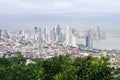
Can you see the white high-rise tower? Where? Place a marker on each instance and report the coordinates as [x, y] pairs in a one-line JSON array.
[[73, 41], [70, 39], [68, 36]]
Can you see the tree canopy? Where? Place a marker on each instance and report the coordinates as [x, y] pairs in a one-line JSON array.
[[57, 68]]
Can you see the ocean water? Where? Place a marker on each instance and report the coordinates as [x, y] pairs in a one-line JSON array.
[[108, 43]]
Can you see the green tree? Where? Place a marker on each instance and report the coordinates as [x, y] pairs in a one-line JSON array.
[[57, 68], [89, 68]]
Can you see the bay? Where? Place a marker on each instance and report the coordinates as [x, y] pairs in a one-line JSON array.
[[108, 43]]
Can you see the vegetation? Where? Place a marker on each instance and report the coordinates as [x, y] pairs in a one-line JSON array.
[[57, 68]]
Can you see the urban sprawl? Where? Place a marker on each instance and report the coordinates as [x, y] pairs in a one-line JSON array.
[[49, 42]]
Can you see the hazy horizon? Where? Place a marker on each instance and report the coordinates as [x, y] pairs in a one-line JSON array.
[[47, 13]]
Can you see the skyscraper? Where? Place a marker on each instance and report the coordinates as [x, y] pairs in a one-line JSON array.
[[6, 34], [20, 32], [52, 35], [68, 36], [35, 33], [73, 41], [58, 33], [70, 39], [89, 40], [0, 34], [98, 32], [39, 35], [35, 30], [58, 29], [46, 34]]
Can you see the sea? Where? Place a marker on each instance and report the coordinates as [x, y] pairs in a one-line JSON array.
[[111, 42]]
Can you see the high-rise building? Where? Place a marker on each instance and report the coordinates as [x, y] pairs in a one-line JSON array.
[[35, 35], [39, 34], [73, 30], [58, 33], [54, 34], [35, 30], [89, 40], [46, 34], [73, 41], [20, 32], [6, 34], [0, 34], [51, 35], [98, 32], [58, 29], [70, 39], [68, 36], [23, 33]]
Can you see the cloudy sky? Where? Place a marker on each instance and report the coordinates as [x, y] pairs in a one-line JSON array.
[[76, 13]]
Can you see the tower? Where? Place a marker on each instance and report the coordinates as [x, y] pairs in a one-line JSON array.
[[35, 33], [58, 33], [89, 40], [98, 32], [52, 34], [39, 35], [0, 34], [6, 34], [68, 36], [35, 30], [46, 34], [73, 41]]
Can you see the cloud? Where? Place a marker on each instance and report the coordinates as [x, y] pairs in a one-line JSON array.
[[59, 6], [14, 6]]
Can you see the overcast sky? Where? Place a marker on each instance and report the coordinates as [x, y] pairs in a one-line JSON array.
[[78, 13], [58, 6]]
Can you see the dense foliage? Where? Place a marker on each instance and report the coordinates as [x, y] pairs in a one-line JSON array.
[[57, 68]]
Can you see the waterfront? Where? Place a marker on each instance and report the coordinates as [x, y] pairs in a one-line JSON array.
[[108, 43]]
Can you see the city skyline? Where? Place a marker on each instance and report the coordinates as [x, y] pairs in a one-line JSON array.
[[59, 39]]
